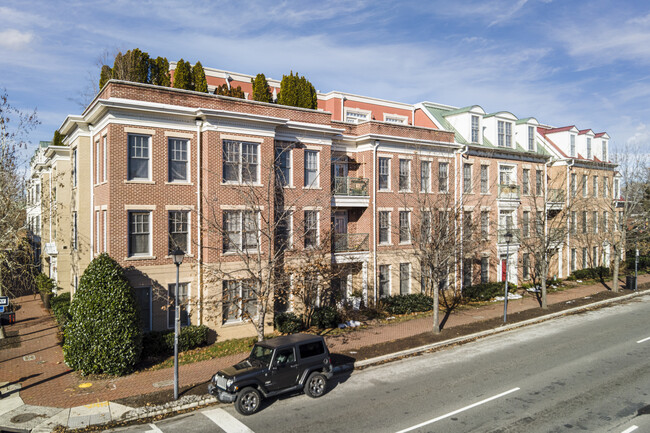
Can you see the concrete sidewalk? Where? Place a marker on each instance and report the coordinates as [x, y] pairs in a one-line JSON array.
[[38, 391]]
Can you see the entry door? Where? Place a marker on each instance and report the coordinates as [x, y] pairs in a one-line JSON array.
[[339, 168], [341, 221]]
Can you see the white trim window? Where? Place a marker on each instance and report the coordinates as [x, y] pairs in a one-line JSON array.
[[525, 181], [311, 228], [425, 176], [404, 227], [384, 227], [105, 158], [573, 185], [594, 186], [531, 138], [585, 256], [574, 222], [383, 173], [139, 164], [485, 186], [105, 229], [474, 129], [356, 116], [588, 147], [98, 161], [240, 162], [404, 278], [139, 233], [239, 300], [504, 138], [183, 303], [97, 246], [384, 280], [484, 270], [605, 221], [179, 232], [605, 187], [605, 155], [594, 221], [539, 182], [585, 185], [143, 301], [572, 151], [284, 231], [485, 224], [283, 166], [75, 231], [404, 175], [395, 118], [312, 169], [573, 259], [507, 175], [467, 178], [75, 168], [443, 177], [240, 230], [178, 156]]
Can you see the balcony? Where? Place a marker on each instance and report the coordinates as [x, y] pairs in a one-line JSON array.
[[350, 192], [350, 242], [555, 199], [501, 236], [509, 192]]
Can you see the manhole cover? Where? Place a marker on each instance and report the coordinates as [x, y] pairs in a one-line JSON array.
[[645, 410], [29, 357], [25, 417]]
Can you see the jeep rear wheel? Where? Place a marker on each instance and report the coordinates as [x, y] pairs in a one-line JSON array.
[[315, 385], [248, 401]]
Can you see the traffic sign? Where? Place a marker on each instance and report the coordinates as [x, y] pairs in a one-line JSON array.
[[4, 300]]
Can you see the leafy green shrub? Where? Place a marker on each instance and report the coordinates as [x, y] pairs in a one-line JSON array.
[[404, 304], [486, 291], [325, 317], [591, 273], [288, 323], [60, 306], [44, 284], [162, 342], [104, 334]]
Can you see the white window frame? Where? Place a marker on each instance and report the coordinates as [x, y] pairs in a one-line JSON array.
[[98, 161], [487, 179], [468, 187], [104, 227], [171, 311], [594, 186], [75, 168], [511, 169], [504, 133], [531, 138], [97, 231], [289, 152], [408, 175], [188, 165], [75, 231], [440, 165], [388, 274], [239, 244], [525, 181], [388, 229], [408, 217], [240, 308], [188, 241], [605, 154], [128, 166], [407, 266], [379, 173], [585, 185], [589, 152], [572, 149], [487, 270], [474, 130], [425, 182], [104, 158], [150, 246], [317, 243], [315, 184], [355, 115], [240, 163], [573, 260], [396, 118]]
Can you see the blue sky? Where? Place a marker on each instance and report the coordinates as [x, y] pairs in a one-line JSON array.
[[563, 62]]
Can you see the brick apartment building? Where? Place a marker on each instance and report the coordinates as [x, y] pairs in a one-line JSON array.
[[147, 168]]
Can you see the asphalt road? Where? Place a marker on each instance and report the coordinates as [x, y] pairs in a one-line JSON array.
[[587, 372]]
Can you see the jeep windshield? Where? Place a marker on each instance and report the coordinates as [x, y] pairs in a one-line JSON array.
[[261, 354]]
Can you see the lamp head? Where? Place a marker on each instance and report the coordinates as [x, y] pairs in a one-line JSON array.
[[178, 256]]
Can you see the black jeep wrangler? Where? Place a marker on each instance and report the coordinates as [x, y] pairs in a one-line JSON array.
[[275, 366]]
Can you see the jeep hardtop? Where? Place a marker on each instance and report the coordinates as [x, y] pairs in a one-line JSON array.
[[275, 366]]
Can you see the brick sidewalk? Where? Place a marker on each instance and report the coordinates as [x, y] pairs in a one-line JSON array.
[[46, 381]]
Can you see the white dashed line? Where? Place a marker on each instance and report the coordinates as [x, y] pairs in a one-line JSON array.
[[447, 415], [226, 422], [631, 429], [644, 340]]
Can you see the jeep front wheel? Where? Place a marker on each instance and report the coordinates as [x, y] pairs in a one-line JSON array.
[[315, 385], [248, 401]]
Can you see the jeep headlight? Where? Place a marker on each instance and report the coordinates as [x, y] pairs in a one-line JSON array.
[[229, 383]]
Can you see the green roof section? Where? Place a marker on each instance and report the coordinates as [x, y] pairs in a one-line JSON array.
[[439, 115]]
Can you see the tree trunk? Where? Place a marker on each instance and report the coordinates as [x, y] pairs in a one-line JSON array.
[[260, 324], [436, 312], [617, 258], [544, 274]]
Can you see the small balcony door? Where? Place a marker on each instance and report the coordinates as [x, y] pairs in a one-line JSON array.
[[340, 222], [339, 168]]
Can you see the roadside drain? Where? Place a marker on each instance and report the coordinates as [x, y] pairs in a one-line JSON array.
[[26, 417]]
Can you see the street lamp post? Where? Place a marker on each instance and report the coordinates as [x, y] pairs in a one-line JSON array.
[[505, 300], [178, 256], [636, 265]]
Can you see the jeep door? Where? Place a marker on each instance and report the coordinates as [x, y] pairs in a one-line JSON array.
[[284, 370]]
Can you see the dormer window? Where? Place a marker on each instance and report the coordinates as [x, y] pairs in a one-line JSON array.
[[395, 118], [605, 156], [531, 138], [588, 147], [356, 116], [474, 129], [504, 138], [573, 146]]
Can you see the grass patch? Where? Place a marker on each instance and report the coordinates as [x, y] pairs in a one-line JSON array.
[[217, 350]]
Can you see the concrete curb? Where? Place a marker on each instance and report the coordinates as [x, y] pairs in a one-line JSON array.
[[471, 337]]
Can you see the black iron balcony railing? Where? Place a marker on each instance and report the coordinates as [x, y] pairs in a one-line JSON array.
[[351, 186], [501, 236], [509, 191], [350, 242]]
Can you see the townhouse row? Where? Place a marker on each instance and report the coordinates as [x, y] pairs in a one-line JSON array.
[[146, 169]]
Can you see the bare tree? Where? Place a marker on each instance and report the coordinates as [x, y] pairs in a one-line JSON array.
[[252, 240]]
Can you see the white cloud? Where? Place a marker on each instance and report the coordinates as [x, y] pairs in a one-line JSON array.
[[13, 39]]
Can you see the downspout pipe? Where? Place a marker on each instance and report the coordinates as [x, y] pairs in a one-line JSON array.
[[199, 233], [568, 199], [374, 218], [93, 165], [459, 181]]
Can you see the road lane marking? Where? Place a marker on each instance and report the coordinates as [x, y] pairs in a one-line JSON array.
[[644, 340], [154, 429], [631, 429], [447, 415], [226, 422]]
